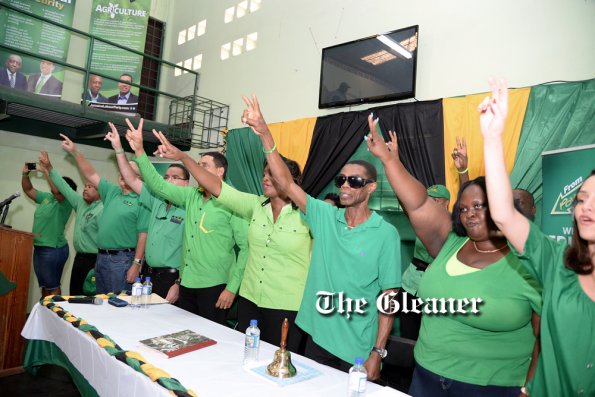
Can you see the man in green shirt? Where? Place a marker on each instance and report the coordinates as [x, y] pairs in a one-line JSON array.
[[122, 228], [88, 208], [50, 246], [210, 274]]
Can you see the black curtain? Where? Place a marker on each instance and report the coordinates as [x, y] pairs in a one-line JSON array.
[[420, 132]]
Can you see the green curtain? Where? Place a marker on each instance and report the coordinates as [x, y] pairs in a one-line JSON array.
[[558, 116], [245, 159]]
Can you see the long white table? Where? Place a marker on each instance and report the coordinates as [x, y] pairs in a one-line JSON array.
[[213, 371]]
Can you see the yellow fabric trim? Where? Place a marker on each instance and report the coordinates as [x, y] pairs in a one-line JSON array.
[[293, 138], [153, 372], [462, 119], [136, 356], [104, 342]]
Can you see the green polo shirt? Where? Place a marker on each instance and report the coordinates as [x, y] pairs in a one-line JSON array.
[[86, 225], [411, 275], [50, 220], [279, 258], [166, 231], [566, 365], [123, 217], [359, 262], [493, 347], [210, 233]]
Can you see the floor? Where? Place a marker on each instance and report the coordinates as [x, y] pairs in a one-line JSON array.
[[50, 381]]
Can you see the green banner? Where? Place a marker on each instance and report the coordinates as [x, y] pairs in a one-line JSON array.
[[124, 23], [25, 33], [563, 172]]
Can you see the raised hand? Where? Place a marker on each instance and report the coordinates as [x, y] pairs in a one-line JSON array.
[[459, 154], [253, 117], [67, 144], [393, 145], [114, 137], [44, 162], [166, 149], [375, 142], [135, 135], [493, 110]]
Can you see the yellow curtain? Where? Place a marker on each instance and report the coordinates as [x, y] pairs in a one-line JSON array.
[[293, 138], [462, 119]]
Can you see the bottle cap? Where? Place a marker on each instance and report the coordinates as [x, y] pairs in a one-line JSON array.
[[359, 361], [253, 323], [148, 278], [137, 280]]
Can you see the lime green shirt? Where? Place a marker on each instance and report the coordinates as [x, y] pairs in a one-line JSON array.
[[566, 365], [210, 233], [412, 276], [50, 220], [492, 348], [279, 256], [360, 262], [166, 231], [86, 225], [123, 217]]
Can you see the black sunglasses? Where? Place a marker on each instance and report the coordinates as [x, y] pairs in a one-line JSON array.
[[354, 181]]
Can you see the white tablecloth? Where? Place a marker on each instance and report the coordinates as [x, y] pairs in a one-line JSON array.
[[213, 371]]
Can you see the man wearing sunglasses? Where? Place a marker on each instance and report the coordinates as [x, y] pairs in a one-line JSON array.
[[355, 253]]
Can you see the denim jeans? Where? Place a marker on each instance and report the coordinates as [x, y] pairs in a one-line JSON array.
[[428, 384], [48, 264], [110, 272]]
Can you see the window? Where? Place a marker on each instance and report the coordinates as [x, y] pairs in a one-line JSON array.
[[254, 5], [251, 41], [242, 9], [182, 37], [191, 32], [229, 13], [238, 46], [201, 28], [178, 72], [225, 50], [197, 62]]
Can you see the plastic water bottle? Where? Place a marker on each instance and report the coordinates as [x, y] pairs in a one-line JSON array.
[[147, 291], [252, 342], [137, 290], [357, 379]]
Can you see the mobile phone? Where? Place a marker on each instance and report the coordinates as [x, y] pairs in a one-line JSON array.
[[117, 302], [31, 166]]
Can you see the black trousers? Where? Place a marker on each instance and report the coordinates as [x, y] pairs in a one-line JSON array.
[[161, 278], [201, 301], [82, 265], [270, 322], [322, 356], [410, 322]]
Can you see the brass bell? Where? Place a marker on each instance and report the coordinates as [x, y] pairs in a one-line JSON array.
[[281, 367]]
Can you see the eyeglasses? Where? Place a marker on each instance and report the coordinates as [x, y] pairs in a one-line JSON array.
[[174, 178], [354, 181]]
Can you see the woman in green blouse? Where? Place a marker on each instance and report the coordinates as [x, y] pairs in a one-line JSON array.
[[279, 246], [566, 365]]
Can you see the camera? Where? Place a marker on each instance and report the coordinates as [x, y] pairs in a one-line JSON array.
[[31, 166]]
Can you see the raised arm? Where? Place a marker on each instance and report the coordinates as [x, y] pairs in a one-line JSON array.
[[46, 167], [253, 117], [204, 178], [493, 111], [26, 184], [459, 155], [130, 177], [430, 221], [86, 168]]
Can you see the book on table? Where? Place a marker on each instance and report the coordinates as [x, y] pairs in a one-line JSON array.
[[178, 343]]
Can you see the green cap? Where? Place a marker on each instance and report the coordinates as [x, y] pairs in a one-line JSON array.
[[439, 191]]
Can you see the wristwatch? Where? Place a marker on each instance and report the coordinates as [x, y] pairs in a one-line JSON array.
[[524, 391], [178, 281], [381, 352]]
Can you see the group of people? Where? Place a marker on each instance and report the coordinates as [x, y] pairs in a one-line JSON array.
[[534, 333], [123, 97], [42, 83]]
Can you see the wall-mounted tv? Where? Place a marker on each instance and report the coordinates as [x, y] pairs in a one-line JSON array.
[[374, 69]]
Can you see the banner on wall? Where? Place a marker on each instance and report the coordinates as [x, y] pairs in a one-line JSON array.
[[125, 23], [22, 32], [563, 172]]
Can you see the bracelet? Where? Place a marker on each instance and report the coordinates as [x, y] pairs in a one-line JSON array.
[[464, 171], [270, 151], [137, 261], [120, 151], [178, 282]]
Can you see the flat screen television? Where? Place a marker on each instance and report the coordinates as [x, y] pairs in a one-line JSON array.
[[373, 69]]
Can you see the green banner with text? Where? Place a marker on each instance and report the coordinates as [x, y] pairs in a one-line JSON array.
[[25, 33], [124, 23], [563, 172]]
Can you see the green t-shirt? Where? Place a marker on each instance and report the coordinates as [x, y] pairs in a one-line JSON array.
[[491, 348], [566, 365], [86, 225], [412, 276], [210, 233], [50, 220], [166, 231], [279, 254], [360, 262], [123, 217]]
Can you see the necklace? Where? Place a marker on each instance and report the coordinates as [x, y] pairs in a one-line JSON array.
[[489, 251]]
